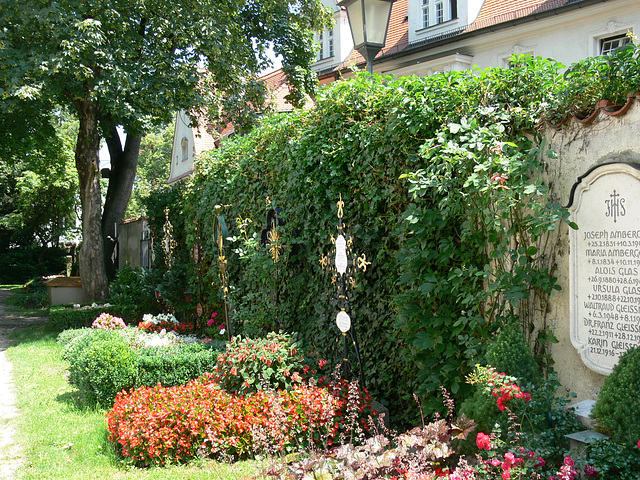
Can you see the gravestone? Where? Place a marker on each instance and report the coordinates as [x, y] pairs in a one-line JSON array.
[[605, 265]]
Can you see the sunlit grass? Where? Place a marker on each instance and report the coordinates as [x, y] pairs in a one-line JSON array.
[[62, 440]]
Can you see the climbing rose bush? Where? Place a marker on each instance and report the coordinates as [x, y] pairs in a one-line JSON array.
[[171, 425], [502, 387]]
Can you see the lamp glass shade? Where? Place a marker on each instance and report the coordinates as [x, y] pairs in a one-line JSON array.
[[369, 20]]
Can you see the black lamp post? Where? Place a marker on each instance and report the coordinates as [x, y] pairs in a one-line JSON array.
[[369, 21]]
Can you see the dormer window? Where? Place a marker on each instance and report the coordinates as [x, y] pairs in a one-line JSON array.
[[325, 40], [435, 12]]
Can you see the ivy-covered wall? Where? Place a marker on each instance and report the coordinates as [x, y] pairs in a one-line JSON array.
[[440, 178]]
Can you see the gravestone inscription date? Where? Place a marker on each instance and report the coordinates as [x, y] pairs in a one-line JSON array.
[[605, 265]]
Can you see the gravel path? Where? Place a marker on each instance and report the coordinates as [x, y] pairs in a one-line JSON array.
[[10, 454]]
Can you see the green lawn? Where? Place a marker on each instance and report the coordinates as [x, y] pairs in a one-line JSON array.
[[61, 440]]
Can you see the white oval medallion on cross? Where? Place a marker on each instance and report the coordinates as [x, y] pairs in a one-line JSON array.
[[343, 320]]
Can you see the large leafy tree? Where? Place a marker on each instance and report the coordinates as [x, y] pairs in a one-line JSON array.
[[134, 63], [37, 185]]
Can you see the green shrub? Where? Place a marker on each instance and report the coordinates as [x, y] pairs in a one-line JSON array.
[[103, 362], [134, 287], [176, 365], [18, 265], [614, 461], [103, 368], [510, 353], [63, 317], [617, 408]]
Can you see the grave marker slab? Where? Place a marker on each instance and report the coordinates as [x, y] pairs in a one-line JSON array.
[[605, 265]]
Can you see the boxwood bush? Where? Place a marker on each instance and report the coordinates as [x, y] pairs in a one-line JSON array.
[[105, 362], [176, 365], [105, 366], [617, 409], [63, 317]]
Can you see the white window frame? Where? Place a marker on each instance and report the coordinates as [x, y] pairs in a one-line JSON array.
[[614, 41], [439, 12], [435, 12], [426, 22], [184, 144], [326, 41]]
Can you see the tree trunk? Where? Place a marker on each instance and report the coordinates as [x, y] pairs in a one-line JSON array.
[[95, 286], [124, 163]]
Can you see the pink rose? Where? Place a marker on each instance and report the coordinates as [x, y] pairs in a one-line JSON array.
[[483, 441]]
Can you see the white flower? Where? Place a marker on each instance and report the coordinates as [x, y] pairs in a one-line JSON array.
[[222, 331]]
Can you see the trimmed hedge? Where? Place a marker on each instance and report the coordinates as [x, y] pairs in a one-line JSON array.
[[178, 365], [64, 317], [102, 363]]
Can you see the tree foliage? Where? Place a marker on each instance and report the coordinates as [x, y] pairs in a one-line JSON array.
[[134, 64], [36, 177]]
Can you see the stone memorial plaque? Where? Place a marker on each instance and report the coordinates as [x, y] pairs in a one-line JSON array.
[[605, 265]]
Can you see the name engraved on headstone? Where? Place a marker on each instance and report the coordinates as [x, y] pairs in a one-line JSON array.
[[605, 265]]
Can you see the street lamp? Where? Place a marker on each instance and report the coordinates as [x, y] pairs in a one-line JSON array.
[[369, 21]]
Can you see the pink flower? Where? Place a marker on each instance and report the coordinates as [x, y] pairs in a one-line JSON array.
[[483, 441], [509, 457], [541, 462], [501, 404], [495, 462], [506, 466], [569, 461], [527, 397], [506, 475], [638, 443]]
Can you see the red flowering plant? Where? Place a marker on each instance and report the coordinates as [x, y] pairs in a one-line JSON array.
[[497, 460], [278, 362], [172, 425], [215, 327]]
